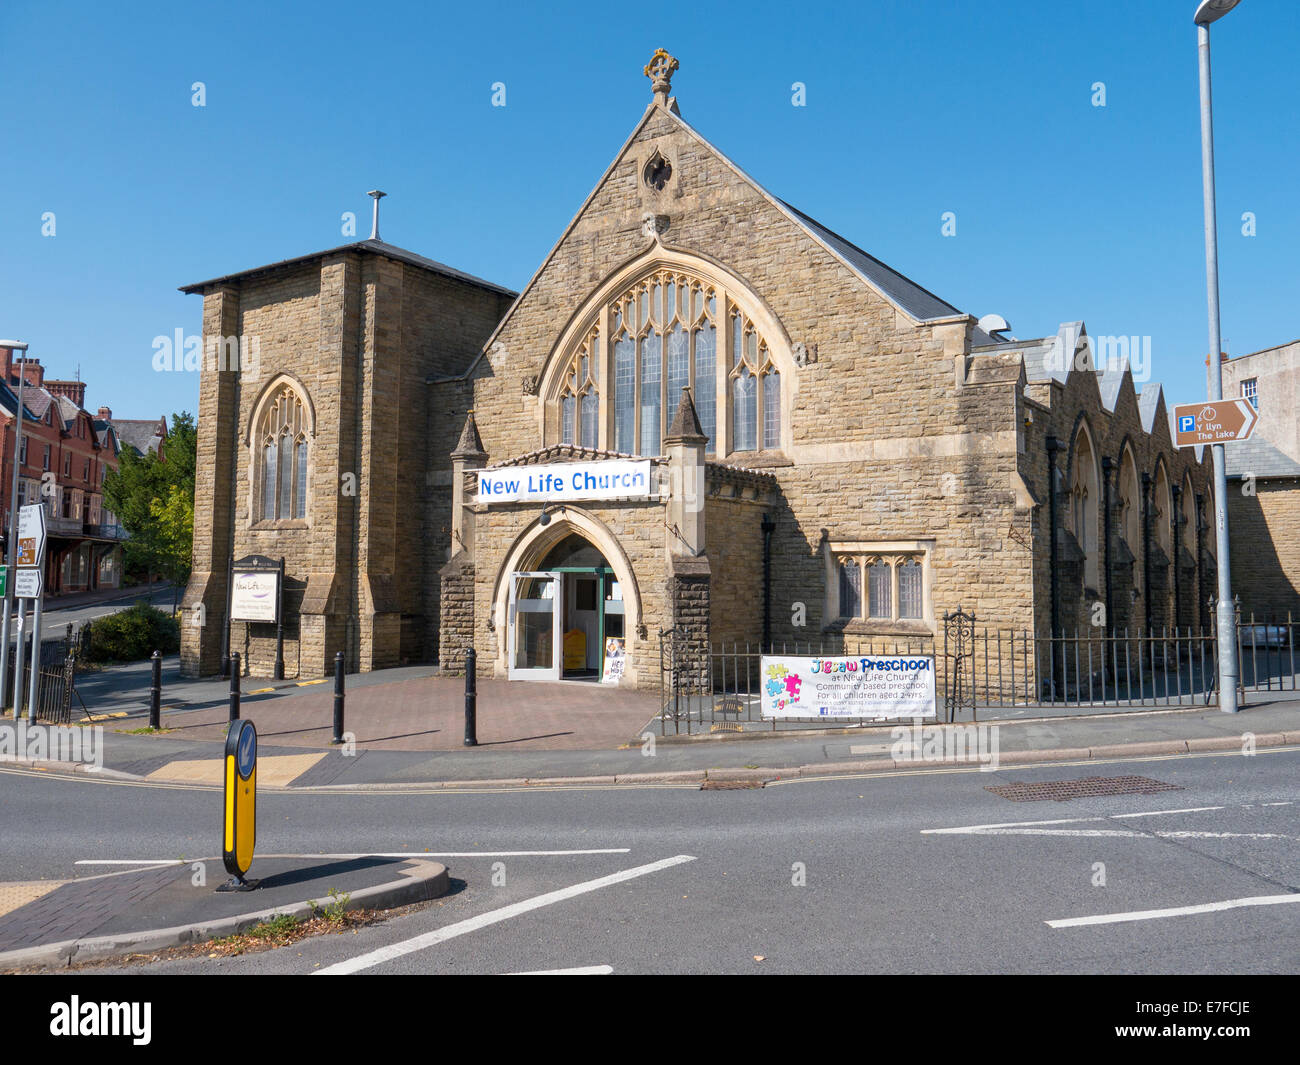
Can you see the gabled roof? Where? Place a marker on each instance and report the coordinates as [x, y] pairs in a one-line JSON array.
[[903, 293], [9, 400], [376, 247], [918, 302], [143, 436], [1148, 400], [68, 410]]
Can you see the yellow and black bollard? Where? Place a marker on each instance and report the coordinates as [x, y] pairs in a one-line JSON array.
[[241, 805]]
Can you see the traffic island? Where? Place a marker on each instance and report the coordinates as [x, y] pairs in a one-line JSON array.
[[146, 910]]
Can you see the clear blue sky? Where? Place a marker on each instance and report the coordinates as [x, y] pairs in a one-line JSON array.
[[1064, 210]]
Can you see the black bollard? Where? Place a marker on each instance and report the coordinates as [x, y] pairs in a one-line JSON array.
[[155, 692], [234, 686], [338, 699], [471, 699]]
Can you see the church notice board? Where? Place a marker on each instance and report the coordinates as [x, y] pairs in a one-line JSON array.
[[255, 590], [864, 687]]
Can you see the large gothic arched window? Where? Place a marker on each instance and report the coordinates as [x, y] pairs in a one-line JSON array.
[[670, 330], [280, 453]]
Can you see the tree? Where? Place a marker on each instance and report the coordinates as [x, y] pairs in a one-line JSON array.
[[154, 500]]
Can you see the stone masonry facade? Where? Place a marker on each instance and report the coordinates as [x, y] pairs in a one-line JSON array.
[[905, 432]]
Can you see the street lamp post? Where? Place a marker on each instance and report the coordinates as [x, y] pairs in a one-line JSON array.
[[12, 345], [1209, 11]]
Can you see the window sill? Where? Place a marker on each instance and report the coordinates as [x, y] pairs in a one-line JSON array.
[[879, 627], [280, 523], [754, 460]]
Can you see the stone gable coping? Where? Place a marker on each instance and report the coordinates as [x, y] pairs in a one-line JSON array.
[[570, 453]]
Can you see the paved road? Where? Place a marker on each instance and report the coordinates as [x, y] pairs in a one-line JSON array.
[[920, 872], [54, 620]]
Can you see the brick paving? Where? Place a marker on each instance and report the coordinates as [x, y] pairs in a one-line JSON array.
[[428, 714]]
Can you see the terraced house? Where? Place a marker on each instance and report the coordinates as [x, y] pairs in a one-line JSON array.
[[65, 455], [706, 412]]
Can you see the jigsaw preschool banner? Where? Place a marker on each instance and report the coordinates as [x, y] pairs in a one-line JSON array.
[[875, 687]]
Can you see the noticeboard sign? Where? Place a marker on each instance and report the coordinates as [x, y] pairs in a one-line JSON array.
[[31, 534], [255, 595], [30, 583], [864, 687]]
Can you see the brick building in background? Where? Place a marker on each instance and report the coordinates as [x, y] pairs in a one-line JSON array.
[[65, 456], [1264, 483]]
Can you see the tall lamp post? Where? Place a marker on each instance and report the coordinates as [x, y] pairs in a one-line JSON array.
[[1208, 11], [10, 559]]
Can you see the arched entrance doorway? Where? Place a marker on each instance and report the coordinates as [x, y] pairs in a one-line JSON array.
[[566, 615]]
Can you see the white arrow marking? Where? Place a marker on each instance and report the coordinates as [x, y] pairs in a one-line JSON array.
[[583, 970]]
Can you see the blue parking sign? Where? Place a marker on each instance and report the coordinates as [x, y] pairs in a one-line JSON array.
[[1187, 423]]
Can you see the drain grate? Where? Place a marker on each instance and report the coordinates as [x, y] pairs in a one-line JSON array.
[[731, 785], [1065, 790]]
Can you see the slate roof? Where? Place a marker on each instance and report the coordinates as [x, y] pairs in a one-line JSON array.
[[1148, 399], [1259, 457], [143, 436], [915, 300], [377, 247]]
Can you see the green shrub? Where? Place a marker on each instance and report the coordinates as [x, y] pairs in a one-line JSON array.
[[133, 634]]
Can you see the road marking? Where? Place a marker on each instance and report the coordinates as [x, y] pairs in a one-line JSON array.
[[476, 854], [997, 828], [483, 920], [582, 970], [1177, 911], [1161, 813], [129, 861], [971, 829]]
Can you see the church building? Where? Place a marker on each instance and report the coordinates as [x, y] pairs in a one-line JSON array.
[[705, 413]]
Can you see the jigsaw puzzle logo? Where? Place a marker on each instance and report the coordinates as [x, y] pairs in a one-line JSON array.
[[782, 686]]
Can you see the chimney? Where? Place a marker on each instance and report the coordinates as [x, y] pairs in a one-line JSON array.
[[105, 414], [73, 390], [7, 355], [33, 372]]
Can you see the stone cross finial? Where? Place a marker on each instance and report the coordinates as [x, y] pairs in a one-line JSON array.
[[660, 72]]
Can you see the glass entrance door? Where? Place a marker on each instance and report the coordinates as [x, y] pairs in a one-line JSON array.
[[535, 618]]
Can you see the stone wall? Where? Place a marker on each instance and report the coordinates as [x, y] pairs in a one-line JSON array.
[[1265, 533], [358, 335]]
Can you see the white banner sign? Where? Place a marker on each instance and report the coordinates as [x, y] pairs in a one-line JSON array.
[[614, 479], [875, 687], [253, 597], [30, 583]]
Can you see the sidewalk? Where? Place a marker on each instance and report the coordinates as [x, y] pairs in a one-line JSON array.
[[407, 729], [59, 923]]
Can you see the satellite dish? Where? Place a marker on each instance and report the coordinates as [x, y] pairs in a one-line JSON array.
[[994, 324]]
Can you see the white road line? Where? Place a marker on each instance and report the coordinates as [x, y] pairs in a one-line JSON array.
[[1177, 911], [1161, 813], [582, 970], [1053, 832], [967, 829], [483, 920], [129, 861], [476, 854]]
